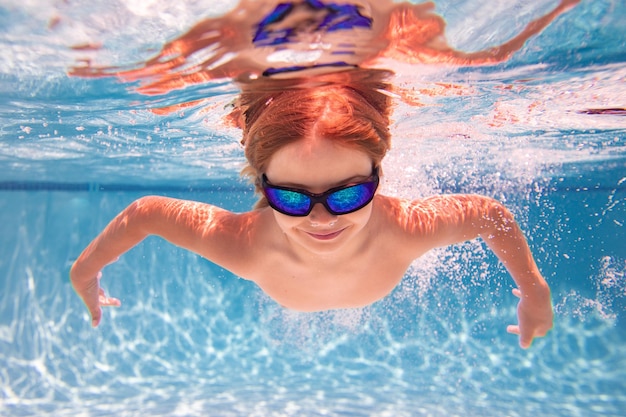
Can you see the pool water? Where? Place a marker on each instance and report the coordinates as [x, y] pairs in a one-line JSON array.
[[192, 340]]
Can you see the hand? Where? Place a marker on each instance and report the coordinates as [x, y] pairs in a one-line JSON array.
[[535, 319], [94, 298], [104, 301]]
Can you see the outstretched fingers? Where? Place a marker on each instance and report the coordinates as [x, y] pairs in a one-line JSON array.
[[524, 340], [532, 322], [106, 301], [103, 301]]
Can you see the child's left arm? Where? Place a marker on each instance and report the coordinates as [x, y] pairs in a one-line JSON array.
[[445, 220], [534, 311]]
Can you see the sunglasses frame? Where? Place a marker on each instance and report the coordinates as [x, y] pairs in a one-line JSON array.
[[321, 198]]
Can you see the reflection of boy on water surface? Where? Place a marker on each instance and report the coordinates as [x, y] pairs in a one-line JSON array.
[[321, 237]]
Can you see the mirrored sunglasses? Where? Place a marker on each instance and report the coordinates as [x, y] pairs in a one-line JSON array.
[[339, 200]]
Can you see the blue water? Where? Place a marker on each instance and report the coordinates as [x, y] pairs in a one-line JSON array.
[[192, 340]]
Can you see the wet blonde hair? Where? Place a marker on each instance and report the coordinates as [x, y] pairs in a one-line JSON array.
[[350, 107]]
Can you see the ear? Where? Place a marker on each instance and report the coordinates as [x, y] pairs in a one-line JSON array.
[[380, 178]]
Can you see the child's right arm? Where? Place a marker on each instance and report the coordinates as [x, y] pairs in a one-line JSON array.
[[202, 228]]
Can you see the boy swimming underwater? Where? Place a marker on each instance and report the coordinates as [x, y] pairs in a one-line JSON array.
[[321, 237], [315, 135]]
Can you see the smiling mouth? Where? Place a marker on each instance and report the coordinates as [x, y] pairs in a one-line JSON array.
[[325, 236]]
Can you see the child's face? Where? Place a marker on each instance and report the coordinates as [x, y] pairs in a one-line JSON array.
[[317, 165]]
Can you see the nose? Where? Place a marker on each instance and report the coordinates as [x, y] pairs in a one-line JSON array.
[[319, 216]]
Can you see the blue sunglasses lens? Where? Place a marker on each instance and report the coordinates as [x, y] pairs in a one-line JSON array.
[[342, 201], [351, 198], [288, 202]]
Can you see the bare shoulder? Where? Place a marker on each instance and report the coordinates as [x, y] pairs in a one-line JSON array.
[[237, 241], [227, 239], [420, 214], [439, 220]]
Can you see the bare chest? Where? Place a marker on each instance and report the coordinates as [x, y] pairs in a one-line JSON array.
[[328, 285]]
